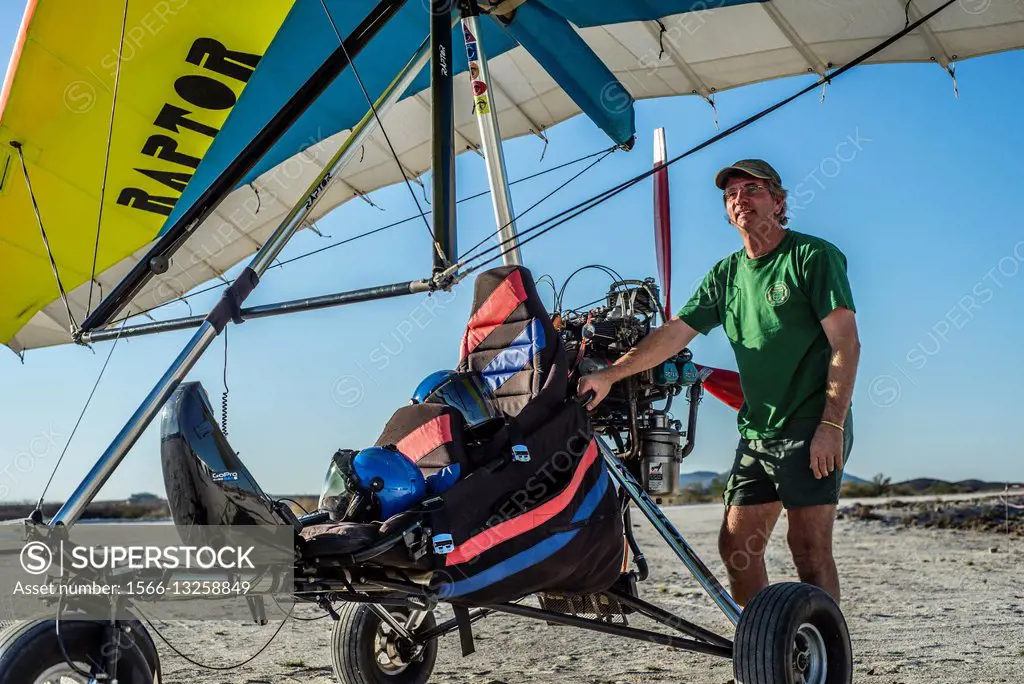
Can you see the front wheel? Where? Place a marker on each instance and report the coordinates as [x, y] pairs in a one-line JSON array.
[[792, 633], [30, 652], [366, 650]]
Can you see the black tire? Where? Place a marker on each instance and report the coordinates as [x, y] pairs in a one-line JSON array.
[[29, 650], [784, 620], [354, 650]]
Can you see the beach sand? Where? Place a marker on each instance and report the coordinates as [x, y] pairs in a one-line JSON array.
[[922, 605]]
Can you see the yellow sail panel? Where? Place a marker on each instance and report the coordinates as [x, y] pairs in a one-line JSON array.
[[183, 65]]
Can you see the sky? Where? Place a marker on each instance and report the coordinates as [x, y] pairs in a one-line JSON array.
[[920, 190]]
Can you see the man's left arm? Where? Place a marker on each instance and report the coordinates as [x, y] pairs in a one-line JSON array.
[[828, 288], [840, 328]]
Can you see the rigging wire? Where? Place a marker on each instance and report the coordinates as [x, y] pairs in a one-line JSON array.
[[368, 233], [384, 132], [46, 241], [542, 199], [39, 505], [594, 201], [464, 199], [106, 158]]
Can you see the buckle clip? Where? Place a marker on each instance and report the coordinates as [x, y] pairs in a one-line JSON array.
[[520, 453], [443, 544]]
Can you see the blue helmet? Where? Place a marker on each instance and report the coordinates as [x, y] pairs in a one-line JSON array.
[[464, 391], [373, 484]]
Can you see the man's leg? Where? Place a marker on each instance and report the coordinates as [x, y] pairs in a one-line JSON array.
[[742, 541], [752, 507], [811, 504], [810, 541]]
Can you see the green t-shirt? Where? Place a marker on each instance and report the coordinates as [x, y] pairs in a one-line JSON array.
[[771, 309]]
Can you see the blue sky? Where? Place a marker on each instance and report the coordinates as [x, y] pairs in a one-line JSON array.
[[919, 189]]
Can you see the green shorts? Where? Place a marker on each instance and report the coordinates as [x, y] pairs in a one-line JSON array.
[[779, 469]]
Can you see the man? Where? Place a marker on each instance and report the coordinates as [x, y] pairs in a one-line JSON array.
[[785, 304]]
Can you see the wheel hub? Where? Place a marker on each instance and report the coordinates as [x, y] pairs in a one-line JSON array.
[[62, 673], [392, 652], [810, 659]]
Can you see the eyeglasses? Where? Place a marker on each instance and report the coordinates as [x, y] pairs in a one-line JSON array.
[[747, 188]]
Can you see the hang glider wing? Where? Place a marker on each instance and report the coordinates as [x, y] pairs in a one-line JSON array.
[[183, 67], [549, 60]]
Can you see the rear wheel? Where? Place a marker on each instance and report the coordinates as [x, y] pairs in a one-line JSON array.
[[366, 650], [30, 652], [792, 633]]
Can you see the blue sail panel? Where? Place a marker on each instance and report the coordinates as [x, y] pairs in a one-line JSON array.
[[585, 13], [568, 59], [305, 40]]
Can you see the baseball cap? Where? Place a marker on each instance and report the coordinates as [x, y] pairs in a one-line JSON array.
[[758, 168]]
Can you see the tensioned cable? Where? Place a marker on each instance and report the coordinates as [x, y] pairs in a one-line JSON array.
[[380, 125], [46, 241], [106, 159], [594, 201], [39, 506], [538, 202], [369, 233], [464, 199]]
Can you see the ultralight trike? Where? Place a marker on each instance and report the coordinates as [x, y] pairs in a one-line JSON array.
[[540, 509]]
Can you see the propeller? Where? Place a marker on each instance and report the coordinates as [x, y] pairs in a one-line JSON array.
[[662, 218], [720, 383]]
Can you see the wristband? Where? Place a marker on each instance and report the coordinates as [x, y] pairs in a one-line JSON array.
[[835, 425]]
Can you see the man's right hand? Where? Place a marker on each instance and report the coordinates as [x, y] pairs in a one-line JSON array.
[[600, 383], [660, 344]]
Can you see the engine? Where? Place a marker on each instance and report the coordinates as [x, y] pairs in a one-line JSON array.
[[648, 439]]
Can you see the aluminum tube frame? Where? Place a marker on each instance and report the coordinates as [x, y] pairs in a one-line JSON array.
[[669, 533], [367, 125], [268, 310], [86, 491], [614, 629], [450, 625], [442, 135], [666, 618], [490, 136]]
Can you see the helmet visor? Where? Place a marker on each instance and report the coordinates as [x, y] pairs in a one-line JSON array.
[[335, 494], [467, 393]]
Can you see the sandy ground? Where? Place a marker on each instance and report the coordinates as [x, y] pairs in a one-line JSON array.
[[922, 606]]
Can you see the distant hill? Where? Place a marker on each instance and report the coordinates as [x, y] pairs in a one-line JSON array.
[[703, 479], [700, 478], [927, 485]]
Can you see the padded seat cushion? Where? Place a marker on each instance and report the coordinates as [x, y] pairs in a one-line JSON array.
[[329, 539]]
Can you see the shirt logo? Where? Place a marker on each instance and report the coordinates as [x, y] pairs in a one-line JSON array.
[[777, 294]]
